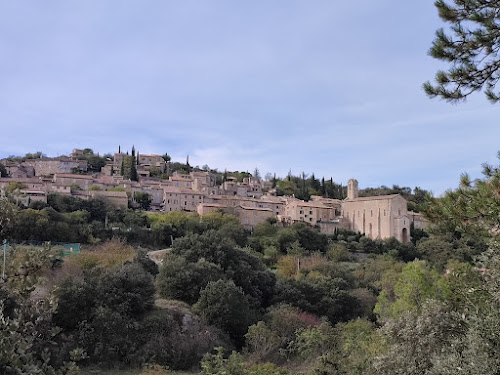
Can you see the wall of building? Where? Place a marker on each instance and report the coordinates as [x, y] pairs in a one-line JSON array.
[[174, 200], [376, 216]]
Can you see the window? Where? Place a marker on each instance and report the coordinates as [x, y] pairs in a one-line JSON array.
[[399, 212], [301, 212], [310, 212], [371, 213]]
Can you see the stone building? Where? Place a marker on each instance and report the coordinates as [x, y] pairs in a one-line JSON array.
[[48, 167], [149, 161], [82, 181], [381, 216], [249, 217], [310, 212], [179, 199]]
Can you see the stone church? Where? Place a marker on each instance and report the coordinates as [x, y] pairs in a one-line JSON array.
[[381, 216]]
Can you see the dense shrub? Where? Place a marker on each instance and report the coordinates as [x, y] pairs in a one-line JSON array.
[[226, 306]]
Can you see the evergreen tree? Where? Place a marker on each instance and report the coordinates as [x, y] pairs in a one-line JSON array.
[[471, 49], [472, 209], [133, 169]]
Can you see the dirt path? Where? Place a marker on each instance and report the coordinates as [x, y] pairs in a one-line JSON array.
[[157, 255]]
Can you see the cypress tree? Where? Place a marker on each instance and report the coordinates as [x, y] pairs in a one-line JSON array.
[[133, 168]]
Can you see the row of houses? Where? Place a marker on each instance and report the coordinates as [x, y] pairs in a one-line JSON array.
[[377, 217]]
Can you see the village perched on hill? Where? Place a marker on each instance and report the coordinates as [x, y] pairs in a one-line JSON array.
[[125, 180]]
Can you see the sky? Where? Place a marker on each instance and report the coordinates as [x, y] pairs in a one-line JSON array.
[[325, 87]]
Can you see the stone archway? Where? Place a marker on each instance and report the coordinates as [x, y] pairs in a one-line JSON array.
[[404, 237]]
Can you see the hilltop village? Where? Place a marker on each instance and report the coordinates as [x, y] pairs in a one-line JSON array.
[[252, 200]]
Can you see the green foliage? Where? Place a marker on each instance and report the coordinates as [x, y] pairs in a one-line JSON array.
[[246, 270], [471, 210], [28, 336], [226, 306], [26, 265], [182, 280], [129, 167], [302, 187], [417, 283], [216, 364], [127, 291], [94, 161], [417, 339], [8, 212], [266, 369], [358, 345], [379, 273], [175, 340], [271, 339], [143, 200], [312, 342], [338, 252], [323, 296], [3, 171], [471, 49], [26, 343]]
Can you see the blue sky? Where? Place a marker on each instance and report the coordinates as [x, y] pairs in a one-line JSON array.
[[318, 86]]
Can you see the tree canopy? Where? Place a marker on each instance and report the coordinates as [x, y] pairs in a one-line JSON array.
[[471, 46]]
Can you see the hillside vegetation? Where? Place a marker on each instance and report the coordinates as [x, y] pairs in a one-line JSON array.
[[276, 300]]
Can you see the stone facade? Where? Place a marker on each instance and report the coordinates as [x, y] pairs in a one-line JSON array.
[[176, 199], [309, 212], [251, 216], [382, 216], [49, 167]]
